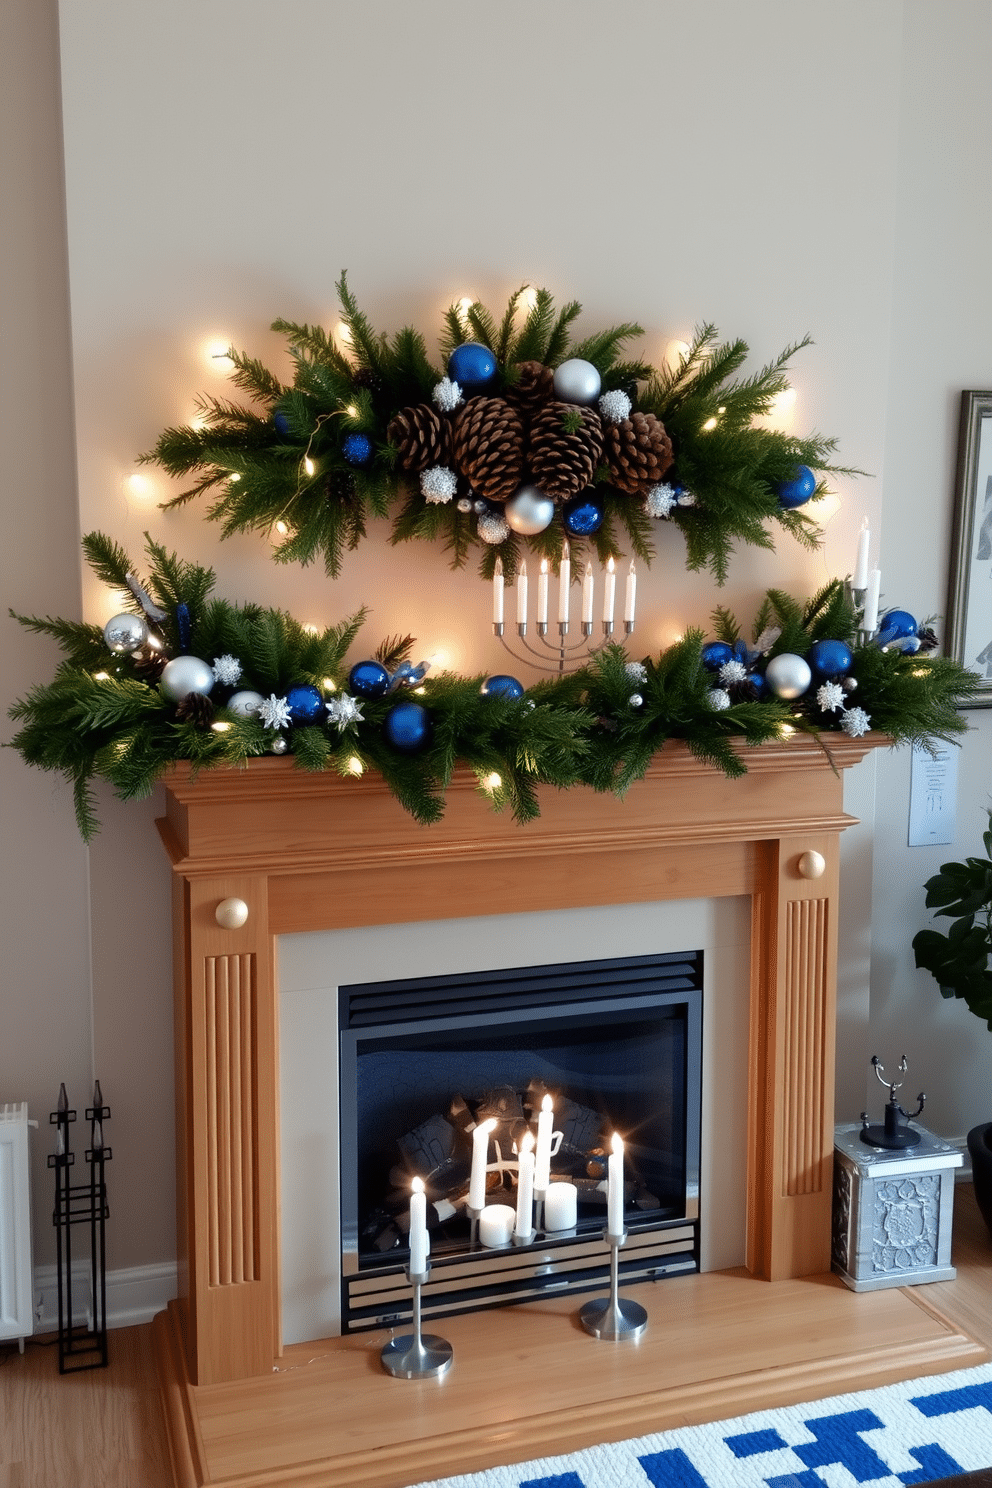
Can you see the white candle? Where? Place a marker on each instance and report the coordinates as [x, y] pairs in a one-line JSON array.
[[614, 1211], [870, 618], [480, 1158], [542, 1161], [609, 594], [496, 1225], [522, 594], [631, 592], [525, 1187], [561, 1207], [588, 597], [564, 584], [859, 579], [498, 592], [419, 1239], [542, 593]]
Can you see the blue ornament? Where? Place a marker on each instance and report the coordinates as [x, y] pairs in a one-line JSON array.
[[281, 423], [896, 625], [472, 366], [829, 658], [798, 490], [715, 653], [357, 449], [582, 515], [502, 686], [305, 703], [407, 727], [369, 679]]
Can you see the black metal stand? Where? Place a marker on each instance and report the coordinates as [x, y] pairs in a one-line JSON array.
[[894, 1134], [82, 1347]]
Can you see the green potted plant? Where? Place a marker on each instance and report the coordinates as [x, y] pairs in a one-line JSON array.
[[961, 964]]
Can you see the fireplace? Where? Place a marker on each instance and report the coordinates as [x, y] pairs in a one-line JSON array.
[[615, 1044]]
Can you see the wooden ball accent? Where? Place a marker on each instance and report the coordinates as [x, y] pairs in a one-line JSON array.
[[231, 914], [812, 865]]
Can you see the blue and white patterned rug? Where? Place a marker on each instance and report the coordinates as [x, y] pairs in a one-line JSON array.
[[913, 1432]]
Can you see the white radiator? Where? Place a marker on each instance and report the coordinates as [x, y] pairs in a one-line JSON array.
[[16, 1317]]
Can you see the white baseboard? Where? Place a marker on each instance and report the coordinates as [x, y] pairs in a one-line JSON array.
[[134, 1294]]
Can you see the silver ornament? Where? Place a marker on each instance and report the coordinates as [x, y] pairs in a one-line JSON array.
[[464, 505], [125, 633], [636, 701], [577, 381], [246, 704], [788, 676], [529, 511], [849, 684], [492, 529], [278, 745], [186, 674]]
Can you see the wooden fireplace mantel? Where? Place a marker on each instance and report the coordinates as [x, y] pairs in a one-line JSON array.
[[314, 852]]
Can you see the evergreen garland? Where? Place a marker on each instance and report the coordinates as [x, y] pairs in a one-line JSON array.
[[101, 718], [285, 456]]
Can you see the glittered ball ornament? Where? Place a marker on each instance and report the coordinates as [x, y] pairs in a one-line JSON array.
[[829, 658], [788, 676], [281, 422], [278, 745], [798, 490], [577, 381], [502, 686], [407, 727], [368, 679], [357, 449], [305, 703], [245, 703], [895, 626], [472, 366], [186, 674], [582, 516], [529, 511], [716, 654], [125, 633]]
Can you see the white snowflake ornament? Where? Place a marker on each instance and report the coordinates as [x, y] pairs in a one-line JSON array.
[[830, 697], [344, 710], [636, 671], [855, 722], [731, 672], [615, 406], [274, 712], [686, 498], [493, 529], [447, 395], [660, 500], [227, 669], [718, 699], [438, 484]]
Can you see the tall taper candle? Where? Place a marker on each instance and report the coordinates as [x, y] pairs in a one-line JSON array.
[[522, 594], [419, 1239], [859, 579], [564, 584], [542, 1160], [525, 1187], [609, 593], [498, 592], [614, 1209], [588, 595], [542, 593], [480, 1158], [629, 597], [870, 618]]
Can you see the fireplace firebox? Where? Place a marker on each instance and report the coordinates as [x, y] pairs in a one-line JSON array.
[[616, 1043]]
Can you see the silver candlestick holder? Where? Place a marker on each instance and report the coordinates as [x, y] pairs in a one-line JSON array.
[[556, 650], [614, 1318], [416, 1355]]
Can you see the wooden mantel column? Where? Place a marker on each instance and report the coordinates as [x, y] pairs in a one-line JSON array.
[[314, 852]]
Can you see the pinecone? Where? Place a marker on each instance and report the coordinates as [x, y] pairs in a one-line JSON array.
[[487, 446], [638, 452], [366, 378], [566, 442], [421, 436], [339, 487], [150, 668], [196, 709], [533, 387]]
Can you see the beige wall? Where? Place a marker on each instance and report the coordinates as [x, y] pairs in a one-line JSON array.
[[752, 165]]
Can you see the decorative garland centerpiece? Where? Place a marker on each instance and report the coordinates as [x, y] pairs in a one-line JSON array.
[[182, 675], [524, 440]]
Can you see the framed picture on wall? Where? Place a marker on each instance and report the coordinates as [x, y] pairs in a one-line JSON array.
[[969, 601]]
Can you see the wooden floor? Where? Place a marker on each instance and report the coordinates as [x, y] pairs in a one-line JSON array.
[[104, 1428]]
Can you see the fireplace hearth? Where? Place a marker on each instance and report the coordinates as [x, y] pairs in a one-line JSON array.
[[616, 1044]]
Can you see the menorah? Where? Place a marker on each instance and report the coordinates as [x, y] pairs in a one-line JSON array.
[[555, 648]]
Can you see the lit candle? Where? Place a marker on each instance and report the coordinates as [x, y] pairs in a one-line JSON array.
[[498, 592], [542, 593], [480, 1159], [614, 1211], [609, 594], [564, 584], [859, 579], [870, 618], [588, 596], [522, 594], [542, 1161], [496, 1225], [628, 603], [419, 1240], [525, 1187], [561, 1207]]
